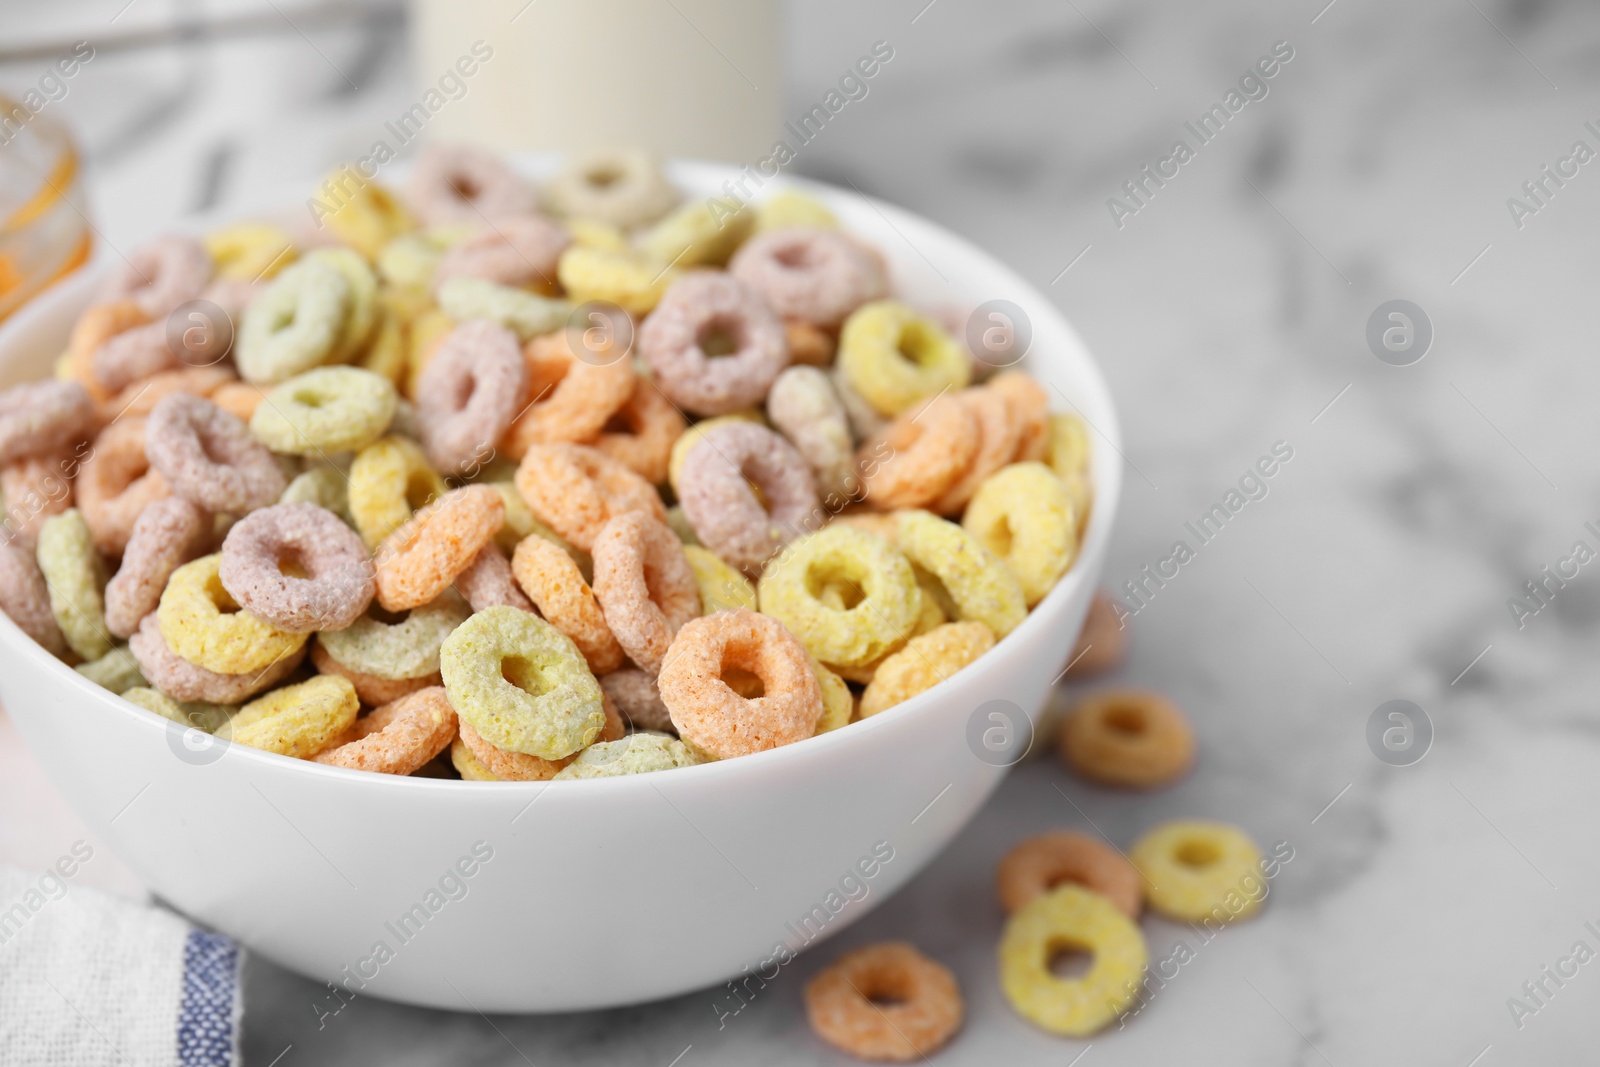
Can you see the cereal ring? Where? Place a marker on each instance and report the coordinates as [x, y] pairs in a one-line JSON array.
[[297, 323], [980, 587], [723, 509], [397, 738], [1023, 515], [469, 393], [97, 325], [522, 684], [930, 616], [626, 189], [366, 215], [787, 209], [635, 754], [838, 703], [920, 456], [1128, 737], [117, 670], [467, 765], [517, 250], [419, 561], [644, 585], [865, 422], [927, 660], [523, 313], [365, 307], [196, 714], [25, 598], [998, 437], [324, 485], [810, 275], [556, 586], [721, 586], [389, 480], [509, 766], [1102, 645], [201, 622], [564, 398], [134, 354], [1030, 410], [182, 680], [209, 457], [1071, 917], [330, 579], [803, 406], [408, 261], [1039, 864], [141, 398], [1067, 453], [634, 692], [1199, 871], [116, 483], [576, 489], [43, 418], [715, 719], [35, 488], [700, 234], [298, 720], [809, 345], [631, 280], [870, 567], [167, 534], [713, 344], [76, 577], [402, 650], [695, 433], [456, 183], [161, 275], [646, 428], [249, 251], [520, 522], [885, 1002], [894, 357], [488, 581], [591, 233], [373, 691], [325, 410]]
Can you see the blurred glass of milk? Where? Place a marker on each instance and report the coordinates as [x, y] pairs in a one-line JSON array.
[[699, 79]]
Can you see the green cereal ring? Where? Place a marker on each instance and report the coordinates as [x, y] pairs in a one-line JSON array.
[[892, 357], [407, 261], [363, 312], [324, 485], [1023, 514], [980, 587], [203, 624], [117, 670], [518, 310], [700, 233], [396, 651], [522, 684], [198, 714], [295, 324], [838, 703], [326, 410], [297, 720], [637, 753], [863, 563], [389, 481], [76, 578]]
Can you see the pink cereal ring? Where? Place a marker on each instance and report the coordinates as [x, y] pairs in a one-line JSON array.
[[574, 490], [644, 584], [488, 581], [457, 183], [182, 680], [115, 484], [815, 276], [419, 560], [714, 489], [162, 275], [516, 250], [470, 391], [25, 598], [167, 534], [713, 343], [634, 693], [397, 738], [338, 576], [43, 417], [372, 690], [210, 457], [134, 354], [35, 488]]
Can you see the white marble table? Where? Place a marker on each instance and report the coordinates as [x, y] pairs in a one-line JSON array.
[[1230, 313]]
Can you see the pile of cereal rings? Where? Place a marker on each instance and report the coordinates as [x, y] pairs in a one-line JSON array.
[[482, 480]]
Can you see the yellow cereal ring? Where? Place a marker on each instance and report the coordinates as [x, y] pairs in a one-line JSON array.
[[250, 251], [390, 480], [1067, 453], [522, 684], [592, 233], [722, 586], [201, 623], [521, 521], [325, 410], [467, 765], [386, 356], [200, 715], [360, 212], [362, 313], [428, 329], [1023, 515], [700, 233], [408, 260], [523, 313], [892, 357], [979, 586], [1071, 917], [927, 660], [76, 579], [631, 280], [1196, 870], [788, 209], [884, 598], [838, 703], [297, 720]]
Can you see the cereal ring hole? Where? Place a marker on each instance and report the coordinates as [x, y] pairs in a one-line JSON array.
[[526, 675], [920, 343], [1197, 852], [602, 177], [747, 684], [722, 335], [420, 489], [1127, 719], [797, 255], [1068, 959]]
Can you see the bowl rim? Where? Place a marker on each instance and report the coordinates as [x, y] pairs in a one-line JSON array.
[[692, 177]]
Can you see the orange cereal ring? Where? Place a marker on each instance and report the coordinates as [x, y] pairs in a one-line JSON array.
[[1128, 737], [644, 584], [808, 344], [555, 585], [373, 691], [94, 328], [999, 435], [115, 483], [419, 560], [715, 719], [885, 1002], [919, 456], [642, 432], [34, 488], [523, 767], [574, 490], [239, 399], [1041, 863], [1030, 407], [570, 396], [1102, 643], [140, 398], [397, 738]]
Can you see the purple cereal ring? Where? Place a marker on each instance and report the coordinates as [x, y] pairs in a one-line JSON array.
[[338, 582], [42, 417], [714, 489], [208, 456], [134, 354], [816, 276], [517, 250], [182, 680], [635, 694], [25, 597], [115, 483], [162, 275], [34, 489], [469, 393], [456, 183], [710, 310], [488, 582], [168, 533]]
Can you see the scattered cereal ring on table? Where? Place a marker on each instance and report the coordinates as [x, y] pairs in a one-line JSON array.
[[920, 455], [715, 719], [182, 680], [803, 406], [75, 577], [456, 183], [389, 481], [522, 684], [201, 622], [927, 660], [523, 313], [323, 411], [979, 585], [712, 344], [1199, 871], [296, 324], [117, 670], [249, 251], [721, 586], [469, 393], [400, 650], [1128, 737], [1071, 917], [575, 489], [639, 753], [161, 275], [810, 275], [566, 396], [636, 696], [644, 585], [722, 507], [167, 534], [629, 279], [43, 418], [397, 738], [467, 765], [516, 250], [33, 489], [641, 433], [1102, 644], [209, 457], [333, 583], [623, 188], [197, 714], [298, 720], [419, 560], [1023, 515], [373, 691], [894, 357], [788, 209], [885, 1002], [365, 215], [552, 580], [1039, 864], [488, 580], [700, 233], [998, 437], [25, 598]]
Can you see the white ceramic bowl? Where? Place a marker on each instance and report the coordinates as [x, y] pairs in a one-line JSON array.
[[595, 893]]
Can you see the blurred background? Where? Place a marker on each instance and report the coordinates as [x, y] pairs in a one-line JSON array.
[[1229, 307]]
